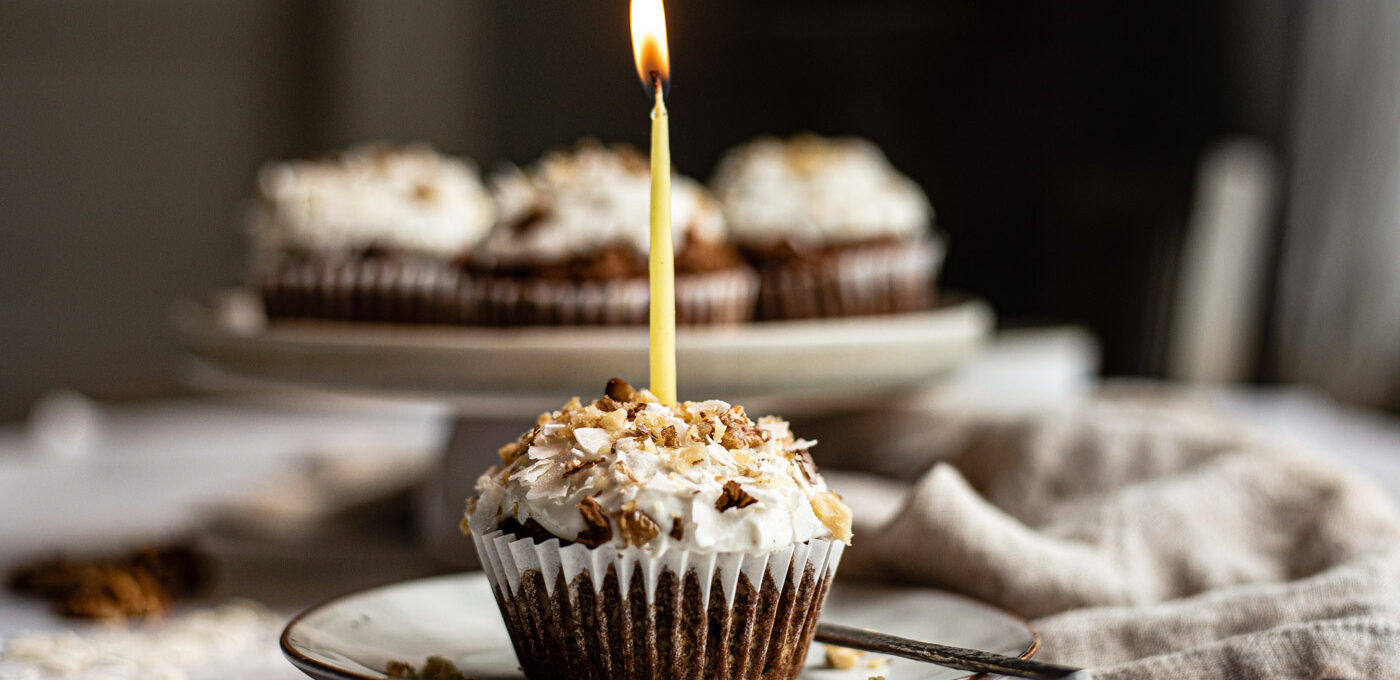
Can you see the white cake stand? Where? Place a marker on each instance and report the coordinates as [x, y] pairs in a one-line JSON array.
[[503, 377]]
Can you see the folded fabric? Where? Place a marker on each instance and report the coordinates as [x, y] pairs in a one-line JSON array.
[[1152, 538]]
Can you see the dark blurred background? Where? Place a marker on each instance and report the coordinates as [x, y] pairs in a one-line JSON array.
[[1061, 142]]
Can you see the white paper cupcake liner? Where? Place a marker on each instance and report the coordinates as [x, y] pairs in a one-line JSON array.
[[712, 298], [399, 289], [859, 280], [609, 613]]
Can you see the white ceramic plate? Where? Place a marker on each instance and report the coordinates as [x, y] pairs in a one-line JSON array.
[[757, 359], [455, 616]]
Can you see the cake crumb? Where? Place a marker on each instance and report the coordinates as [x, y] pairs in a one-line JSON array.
[[434, 668]]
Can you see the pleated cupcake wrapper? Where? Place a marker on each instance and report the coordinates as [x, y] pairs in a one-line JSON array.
[[399, 289], [610, 613], [505, 558], [857, 281], [723, 297]]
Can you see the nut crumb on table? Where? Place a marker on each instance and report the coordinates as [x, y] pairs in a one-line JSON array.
[[842, 658]]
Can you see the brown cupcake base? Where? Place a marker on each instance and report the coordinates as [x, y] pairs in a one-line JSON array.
[[855, 280], [388, 289], [580, 632], [711, 298], [630, 613]]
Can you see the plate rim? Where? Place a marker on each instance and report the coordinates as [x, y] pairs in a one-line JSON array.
[[306, 664]]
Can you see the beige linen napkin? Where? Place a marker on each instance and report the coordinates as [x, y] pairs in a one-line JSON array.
[[1152, 539]]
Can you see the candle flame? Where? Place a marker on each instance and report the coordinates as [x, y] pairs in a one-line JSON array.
[[649, 45]]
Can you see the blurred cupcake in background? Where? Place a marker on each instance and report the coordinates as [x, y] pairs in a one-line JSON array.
[[571, 246], [376, 233], [832, 228]]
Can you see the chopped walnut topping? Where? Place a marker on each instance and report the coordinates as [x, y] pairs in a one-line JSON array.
[[739, 431], [576, 467], [621, 390], [614, 421], [598, 531], [689, 456], [628, 424], [636, 527], [834, 514], [510, 452], [733, 496]]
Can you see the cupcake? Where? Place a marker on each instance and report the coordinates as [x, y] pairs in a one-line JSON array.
[[627, 538], [571, 246], [377, 233], [831, 227]]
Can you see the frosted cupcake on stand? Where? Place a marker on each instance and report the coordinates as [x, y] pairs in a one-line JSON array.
[[626, 538], [571, 246], [832, 228], [376, 233]]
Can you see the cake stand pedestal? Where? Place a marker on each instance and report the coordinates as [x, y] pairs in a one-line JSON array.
[[500, 379]]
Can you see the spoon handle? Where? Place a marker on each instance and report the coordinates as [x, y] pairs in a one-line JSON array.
[[960, 658]]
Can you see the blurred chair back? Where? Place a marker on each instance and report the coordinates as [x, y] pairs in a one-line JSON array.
[[1220, 299]]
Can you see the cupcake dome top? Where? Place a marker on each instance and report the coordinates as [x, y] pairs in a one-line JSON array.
[[627, 470], [811, 191], [571, 203], [405, 198]]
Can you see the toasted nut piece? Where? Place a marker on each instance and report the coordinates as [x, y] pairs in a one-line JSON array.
[[834, 514], [842, 658], [621, 390], [598, 531], [733, 496], [637, 527]]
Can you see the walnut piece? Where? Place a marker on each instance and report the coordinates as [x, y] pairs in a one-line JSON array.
[[598, 531], [834, 514], [636, 527], [733, 496], [621, 390]]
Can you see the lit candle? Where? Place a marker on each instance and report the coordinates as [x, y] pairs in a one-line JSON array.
[[653, 66]]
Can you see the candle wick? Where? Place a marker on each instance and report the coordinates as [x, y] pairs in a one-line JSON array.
[[660, 108]]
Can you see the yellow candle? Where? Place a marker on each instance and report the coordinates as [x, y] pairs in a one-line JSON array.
[[663, 260], [653, 67]]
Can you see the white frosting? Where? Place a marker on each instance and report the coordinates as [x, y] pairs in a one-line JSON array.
[[407, 198], [584, 451], [588, 198], [815, 190]]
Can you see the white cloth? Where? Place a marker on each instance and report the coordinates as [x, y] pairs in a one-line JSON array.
[[1151, 539]]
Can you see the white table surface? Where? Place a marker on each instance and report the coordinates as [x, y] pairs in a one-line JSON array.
[[86, 477]]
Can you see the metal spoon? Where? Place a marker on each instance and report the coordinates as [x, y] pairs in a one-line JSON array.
[[973, 660]]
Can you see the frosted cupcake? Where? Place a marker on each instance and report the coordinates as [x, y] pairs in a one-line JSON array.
[[571, 246], [831, 227], [631, 539], [376, 233]]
